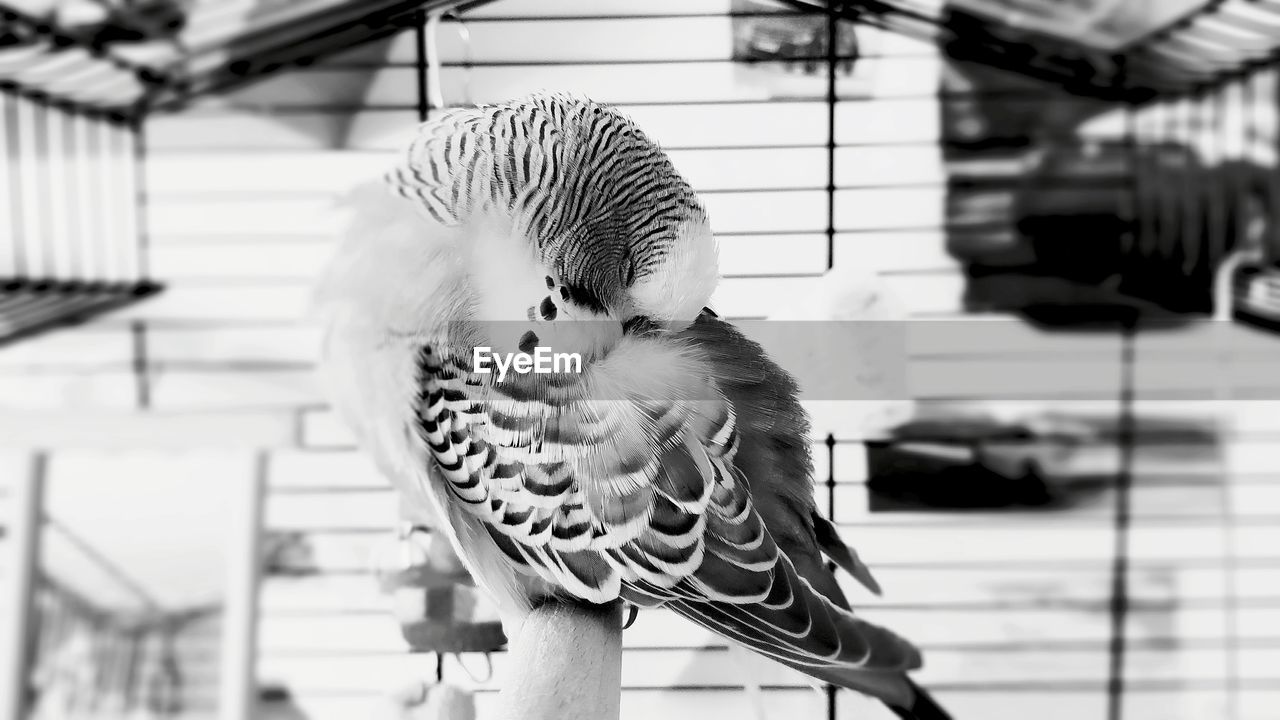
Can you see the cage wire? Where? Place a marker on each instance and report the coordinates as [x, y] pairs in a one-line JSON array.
[[72, 118], [72, 241], [1197, 95], [89, 659]]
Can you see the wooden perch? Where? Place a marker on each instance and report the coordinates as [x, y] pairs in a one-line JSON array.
[[565, 664]]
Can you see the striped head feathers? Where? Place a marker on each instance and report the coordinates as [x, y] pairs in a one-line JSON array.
[[559, 209]]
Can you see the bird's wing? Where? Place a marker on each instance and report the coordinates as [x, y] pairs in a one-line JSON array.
[[652, 500], [805, 623]]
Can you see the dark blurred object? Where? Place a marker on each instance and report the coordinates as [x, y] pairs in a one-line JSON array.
[[1102, 24], [1069, 254], [1257, 295], [15, 36], [967, 463], [288, 554], [100, 23], [1046, 460], [790, 38], [29, 307], [1003, 40], [276, 702], [1037, 218], [1075, 231]]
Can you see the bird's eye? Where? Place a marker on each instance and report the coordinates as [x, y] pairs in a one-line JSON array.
[[528, 342], [582, 297]]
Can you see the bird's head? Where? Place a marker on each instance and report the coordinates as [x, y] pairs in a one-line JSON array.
[[548, 222], [585, 289], [597, 236]]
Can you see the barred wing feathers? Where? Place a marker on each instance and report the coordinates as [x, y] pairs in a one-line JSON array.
[[694, 493]]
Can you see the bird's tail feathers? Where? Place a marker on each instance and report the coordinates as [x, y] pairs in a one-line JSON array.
[[924, 707], [843, 555], [799, 627]]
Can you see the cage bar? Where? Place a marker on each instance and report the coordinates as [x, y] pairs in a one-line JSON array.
[[71, 246], [238, 693], [21, 548]]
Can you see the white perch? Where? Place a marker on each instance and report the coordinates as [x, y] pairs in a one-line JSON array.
[[565, 664], [239, 691]]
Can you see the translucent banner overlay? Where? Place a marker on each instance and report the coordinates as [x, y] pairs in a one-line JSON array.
[[961, 359]]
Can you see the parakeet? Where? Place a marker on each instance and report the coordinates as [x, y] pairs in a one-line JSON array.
[[671, 469]]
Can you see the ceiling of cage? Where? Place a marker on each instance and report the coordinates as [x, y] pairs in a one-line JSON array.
[[132, 54], [128, 54], [1116, 49]]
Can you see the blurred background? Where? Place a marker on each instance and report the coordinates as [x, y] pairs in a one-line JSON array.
[[1053, 221]]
